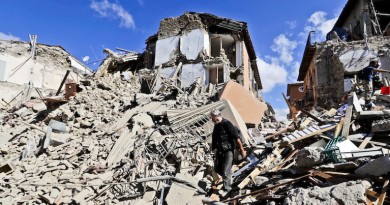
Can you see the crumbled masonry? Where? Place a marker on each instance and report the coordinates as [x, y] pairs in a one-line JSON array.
[[111, 143], [138, 131]]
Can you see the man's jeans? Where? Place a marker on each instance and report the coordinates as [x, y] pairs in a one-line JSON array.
[[224, 162], [367, 86]]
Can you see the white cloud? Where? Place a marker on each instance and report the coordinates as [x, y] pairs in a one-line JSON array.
[[271, 74], [284, 68], [294, 72], [284, 47], [319, 23], [317, 18], [281, 113], [291, 24], [115, 11], [9, 36]]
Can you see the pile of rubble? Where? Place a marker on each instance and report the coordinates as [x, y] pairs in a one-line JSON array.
[[108, 137], [113, 144], [326, 156]]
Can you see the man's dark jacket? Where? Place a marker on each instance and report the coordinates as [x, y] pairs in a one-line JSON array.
[[224, 136]]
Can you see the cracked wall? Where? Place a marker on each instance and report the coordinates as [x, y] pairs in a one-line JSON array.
[[337, 62], [185, 39], [45, 71]]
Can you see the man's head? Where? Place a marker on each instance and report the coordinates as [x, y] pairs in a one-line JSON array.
[[374, 63], [215, 115]]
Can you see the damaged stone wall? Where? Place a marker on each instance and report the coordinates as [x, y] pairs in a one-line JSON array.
[[339, 60], [186, 39], [183, 24], [330, 78]]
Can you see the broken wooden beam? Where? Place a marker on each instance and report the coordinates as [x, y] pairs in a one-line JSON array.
[[366, 140], [377, 195], [347, 121], [261, 168], [62, 82], [307, 113], [384, 145], [338, 128], [356, 102], [382, 196], [310, 134], [279, 132]]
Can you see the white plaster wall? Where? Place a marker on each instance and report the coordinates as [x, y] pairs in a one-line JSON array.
[[53, 77], [165, 49], [77, 67], [191, 72], [194, 42], [42, 76], [355, 60], [18, 70], [164, 73]]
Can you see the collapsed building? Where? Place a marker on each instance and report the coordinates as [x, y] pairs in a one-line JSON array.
[[142, 116], [196, 49], [42, 65], [27, 65], [138, 132], [360, 34], [212, 48]]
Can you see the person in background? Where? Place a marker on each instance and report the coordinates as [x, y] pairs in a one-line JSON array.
[[367, 76]]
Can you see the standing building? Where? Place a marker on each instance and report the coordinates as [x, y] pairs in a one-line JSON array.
[[361, 33]]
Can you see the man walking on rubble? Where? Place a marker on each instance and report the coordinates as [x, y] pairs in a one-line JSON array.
[[225, 138], [367, 75]]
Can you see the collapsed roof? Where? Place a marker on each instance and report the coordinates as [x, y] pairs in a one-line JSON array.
[[192, 20], [53, 55]]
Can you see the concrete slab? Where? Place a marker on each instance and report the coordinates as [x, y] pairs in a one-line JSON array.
[[377, 167], [250, 108], [191, 72], [196, 200], [356, 103], [346, 147], [179, 194], [38, 107], [230, 113], [149, 196], [165, 49]]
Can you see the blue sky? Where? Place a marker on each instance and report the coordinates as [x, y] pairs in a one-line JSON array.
[[278, 28]]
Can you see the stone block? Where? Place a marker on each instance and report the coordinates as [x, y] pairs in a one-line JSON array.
[[376, 167], [179, 194], [39, 107]]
